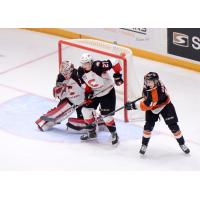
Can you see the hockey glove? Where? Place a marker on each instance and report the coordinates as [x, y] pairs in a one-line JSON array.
[[58, 91], [130, 106], [118, 79], [88, 97]]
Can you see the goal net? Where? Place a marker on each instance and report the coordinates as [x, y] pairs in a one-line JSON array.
[[73, 48]]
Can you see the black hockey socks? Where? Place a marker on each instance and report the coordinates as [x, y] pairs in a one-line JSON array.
[[143, 149], [180, 140], [115, 138], [145, 141], [146, 137], [112, 129]]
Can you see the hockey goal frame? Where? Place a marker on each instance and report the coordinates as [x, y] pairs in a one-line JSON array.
[[121, 57]]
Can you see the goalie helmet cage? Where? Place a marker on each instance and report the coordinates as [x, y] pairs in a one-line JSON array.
[[122, 54]]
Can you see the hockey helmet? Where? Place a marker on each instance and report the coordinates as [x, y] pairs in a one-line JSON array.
[[86, 57], [151, 76]]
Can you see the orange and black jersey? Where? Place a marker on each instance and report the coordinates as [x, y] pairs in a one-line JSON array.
[[154, 98]]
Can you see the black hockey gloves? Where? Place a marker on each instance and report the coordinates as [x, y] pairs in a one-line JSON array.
[[118, 79], [130, 106]]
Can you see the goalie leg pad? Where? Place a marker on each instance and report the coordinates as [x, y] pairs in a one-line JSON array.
[[59, 110], [44, 125], [76, 124], [59, 113]]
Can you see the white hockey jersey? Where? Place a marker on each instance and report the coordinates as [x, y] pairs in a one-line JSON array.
[[98, 78], [73, 90]]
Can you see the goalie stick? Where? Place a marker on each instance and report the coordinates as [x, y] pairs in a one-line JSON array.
[[71, 109]]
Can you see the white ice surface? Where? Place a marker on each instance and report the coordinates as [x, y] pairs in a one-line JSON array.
[[28, 68]]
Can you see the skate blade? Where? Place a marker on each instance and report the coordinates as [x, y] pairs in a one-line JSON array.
[[187, 153], [89, 140], [116, 144]]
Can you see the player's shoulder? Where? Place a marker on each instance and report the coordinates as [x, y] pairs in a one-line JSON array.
[[101, 66], [97, 63], [60, 78], [80, 71], [160, 85], [97, 67], [75, 76], [74, 73]]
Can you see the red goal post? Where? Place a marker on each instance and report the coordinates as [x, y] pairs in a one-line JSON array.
[[102, 48]]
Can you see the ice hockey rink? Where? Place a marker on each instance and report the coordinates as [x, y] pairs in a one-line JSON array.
[[28, 69]]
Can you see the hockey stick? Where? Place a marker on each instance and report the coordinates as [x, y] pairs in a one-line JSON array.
[[89, 126], [113, 112], [72, 108]]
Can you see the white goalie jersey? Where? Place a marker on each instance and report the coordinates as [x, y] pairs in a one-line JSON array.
[[70, 93], [70, 89]]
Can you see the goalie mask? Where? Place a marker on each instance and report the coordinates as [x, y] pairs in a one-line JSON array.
[[151, 79], [66, 69]]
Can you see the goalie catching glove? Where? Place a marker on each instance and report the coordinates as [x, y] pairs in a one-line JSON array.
[[59, 90]]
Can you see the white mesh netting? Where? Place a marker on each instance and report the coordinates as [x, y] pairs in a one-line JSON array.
[[72, 50]]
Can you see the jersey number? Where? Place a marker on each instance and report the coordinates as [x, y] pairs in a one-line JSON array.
[[105, 65]]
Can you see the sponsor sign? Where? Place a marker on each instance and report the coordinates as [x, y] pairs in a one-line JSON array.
[[184, 42]]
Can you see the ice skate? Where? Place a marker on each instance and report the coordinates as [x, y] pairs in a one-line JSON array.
[[143, 149], [88, 136], [185, 149], [115, 139]]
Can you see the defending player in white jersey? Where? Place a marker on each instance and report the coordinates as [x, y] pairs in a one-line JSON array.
[[94, 74], [70, 93]]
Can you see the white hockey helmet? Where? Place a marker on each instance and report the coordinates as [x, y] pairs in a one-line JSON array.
[[86, 57], [66, 68]]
